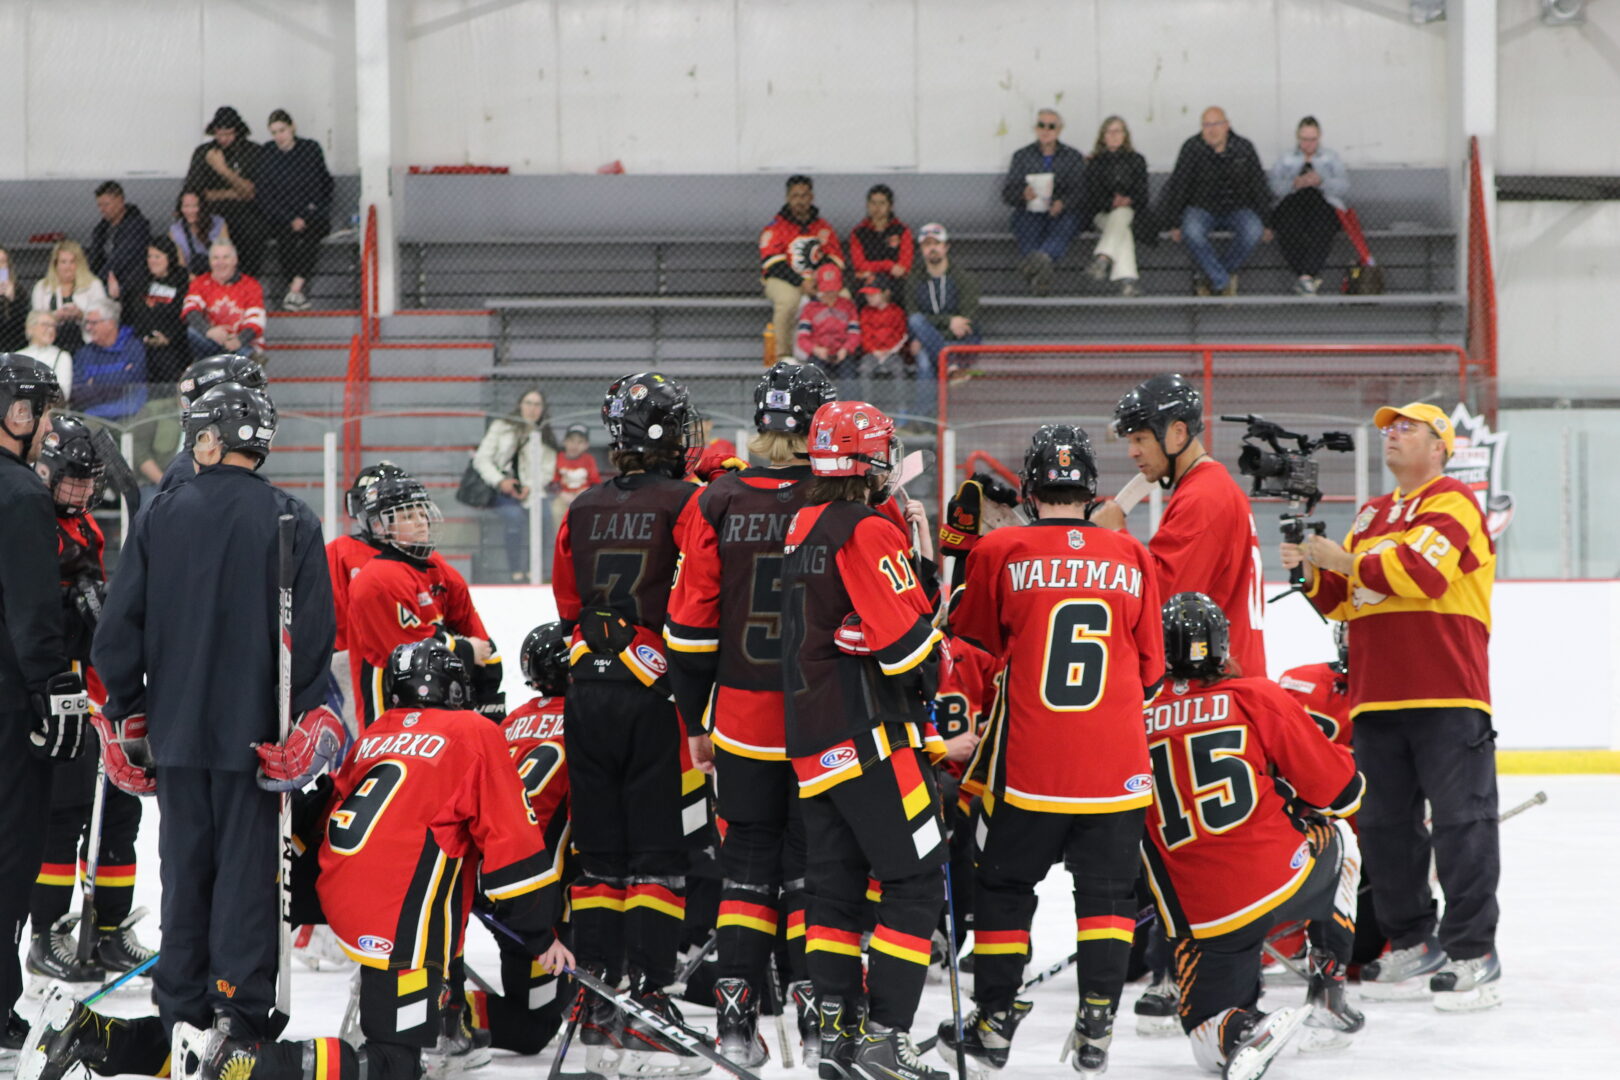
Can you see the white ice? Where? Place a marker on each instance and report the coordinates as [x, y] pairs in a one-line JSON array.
[[1561, 981]]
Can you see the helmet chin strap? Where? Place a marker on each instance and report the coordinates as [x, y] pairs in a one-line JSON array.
[[26, 440], [1168, 480]]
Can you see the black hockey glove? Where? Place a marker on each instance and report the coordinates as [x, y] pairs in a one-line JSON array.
[[606, 631], [88, 594], [60, 714], [492, 706]]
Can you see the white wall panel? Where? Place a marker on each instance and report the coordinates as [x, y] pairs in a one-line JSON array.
[[1560, 87], [14, 90]]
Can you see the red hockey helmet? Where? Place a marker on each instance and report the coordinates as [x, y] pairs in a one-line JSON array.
[[852, 438]]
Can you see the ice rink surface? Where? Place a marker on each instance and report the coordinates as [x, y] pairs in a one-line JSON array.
[[1561, 973]]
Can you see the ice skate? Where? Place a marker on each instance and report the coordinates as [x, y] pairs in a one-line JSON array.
[[1090, 1037], [601, 1032], [1261, 1043], [736, 1012], [13, 1033], [54, 955], [63, 1034], [1402, 974], [840, 1026], [211, 1054], [646, 1051], [886, 1054], [1468, 985], [1331, 1019], [118, 949], [459, 1049], [803, 994], [986, 1037], [1156, 1015]]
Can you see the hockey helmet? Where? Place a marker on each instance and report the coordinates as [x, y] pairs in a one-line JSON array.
[[69, 453], [396, 510], [426, 673], [852, 438], [1153, 406], [244, 418], [210, 371], [1196, 636], [649, 413], [787, 397], [22, 378], [354, 498], [1341, 643], [1059, 457], [544, 659]]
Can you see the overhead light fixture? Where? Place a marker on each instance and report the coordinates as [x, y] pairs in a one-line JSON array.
[[1563, 12], [1427, 11]]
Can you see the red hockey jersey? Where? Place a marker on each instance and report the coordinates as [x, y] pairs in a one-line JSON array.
[[967, 691], [424, 792], [791, 250], [1207, 542], [534, 738], [1073, 611], [1224, 851], [1324, 691], [237, 305]]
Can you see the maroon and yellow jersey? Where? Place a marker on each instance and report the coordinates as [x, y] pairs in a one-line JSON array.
[[1207, 543], [427, 801], [1324, 691], [724, 624], [842, 711], [1073, 612], [1418, 600], [1224, 851], [534, 738], [617, 550]]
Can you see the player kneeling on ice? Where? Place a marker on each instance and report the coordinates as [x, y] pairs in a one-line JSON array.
[[427, 796], [1243, 789]]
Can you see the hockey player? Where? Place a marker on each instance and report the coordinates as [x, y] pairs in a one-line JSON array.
[[1073, 611], [1227, 862], [403, 594], [615, 561], [1324, 689], [202, 376], [188, 633], [427, 803], [724, 631], [71, 465], [858, 647], [1206, 541]]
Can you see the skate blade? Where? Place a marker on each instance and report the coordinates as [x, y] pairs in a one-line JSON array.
[[656, 1063], [1251, 1062], [976, 1069], [54, 1011], [1407, 990], [1158, 1027], [1482, 997], [602, 1060]]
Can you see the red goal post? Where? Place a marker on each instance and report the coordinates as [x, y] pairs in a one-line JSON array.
[[991, 397]]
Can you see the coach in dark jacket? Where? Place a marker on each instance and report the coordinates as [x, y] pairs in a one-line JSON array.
[[188, 636], [118, 245], [1218, 183], [1044, 185]]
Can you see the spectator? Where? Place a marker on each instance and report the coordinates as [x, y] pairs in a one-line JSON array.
[[829, 326], [883, 340], [118, 244], [42, 346], [944, 305], [13, 308], [155, 434], [295, 198], [224, 308], [1116, 202], [1311, 183], [790, 248], [225, 169], [158, 317], [882, 243], [66, 291], [1217, 184], [1044, 186], [576, 469], [506, 461], [196, 228], [109, 369]]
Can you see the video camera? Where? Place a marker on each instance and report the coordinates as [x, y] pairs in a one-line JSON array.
[[1287, 473]]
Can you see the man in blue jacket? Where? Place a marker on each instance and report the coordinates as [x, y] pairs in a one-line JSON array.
[[1044, 185]]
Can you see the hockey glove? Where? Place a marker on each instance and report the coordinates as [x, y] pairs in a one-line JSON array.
[[492, 706], [316, 743], [850, 637], [714, 461], [125, 755], [606, 631], [60, 714], [963, 518]]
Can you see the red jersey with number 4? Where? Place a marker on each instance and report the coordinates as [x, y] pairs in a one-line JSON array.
[[1224, 850], [1324, 690], [427, 802], [1073, 610], [1207, 543]]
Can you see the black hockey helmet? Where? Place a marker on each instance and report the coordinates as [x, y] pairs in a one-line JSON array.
[[396, 510], [22, 378], [544, 659], [1157, 403], [649, 413], [245, 418], [1197, 638], [354, 498], [210, 371], [426, 673], [69, 452], [1059, 457], [788, 395]]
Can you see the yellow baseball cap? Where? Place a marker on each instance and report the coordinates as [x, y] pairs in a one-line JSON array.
[[1424, 413]]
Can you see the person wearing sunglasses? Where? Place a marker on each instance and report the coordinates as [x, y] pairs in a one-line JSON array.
[[1044, 186]]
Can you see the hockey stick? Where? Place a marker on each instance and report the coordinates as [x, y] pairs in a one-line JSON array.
[[1535, 800], [88, 928], [477, 979], [773, 983], [684, 976], [284, 587], [1029, 984], [108, 987], [956, 986], [567, 1036], [676, 1033]]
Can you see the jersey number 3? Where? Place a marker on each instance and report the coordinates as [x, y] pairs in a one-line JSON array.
[[1075, 668]]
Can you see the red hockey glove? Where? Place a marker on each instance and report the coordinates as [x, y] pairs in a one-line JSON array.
[[125, 755], [317, 743], [850, 637], [715, 460]]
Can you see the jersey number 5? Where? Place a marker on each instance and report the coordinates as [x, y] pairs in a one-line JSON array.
[[1223, 792], [351, 823], [1075, 669]]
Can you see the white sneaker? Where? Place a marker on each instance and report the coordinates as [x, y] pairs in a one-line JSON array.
[[1468, 985]]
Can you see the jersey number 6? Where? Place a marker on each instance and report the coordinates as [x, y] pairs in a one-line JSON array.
[[1075, 668]]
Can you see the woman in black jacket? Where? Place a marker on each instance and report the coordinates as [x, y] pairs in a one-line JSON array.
[[1116, 202], [295, 197], [156, 316]]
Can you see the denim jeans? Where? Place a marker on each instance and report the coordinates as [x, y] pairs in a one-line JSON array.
[[925, 401], [515, 531], [1196, 225], [1043, 232]]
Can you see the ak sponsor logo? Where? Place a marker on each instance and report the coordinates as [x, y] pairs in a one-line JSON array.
[[1139, 783], [651, 657], [838, 757], [1300, 856], [375, 943]]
